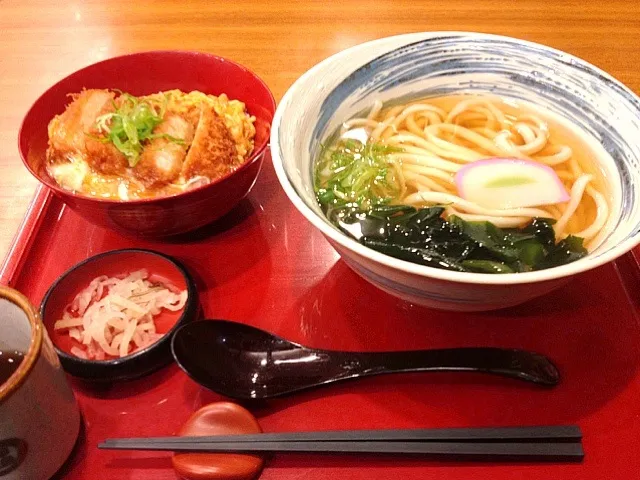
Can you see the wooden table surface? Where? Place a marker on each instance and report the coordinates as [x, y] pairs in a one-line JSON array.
[[43, 41]]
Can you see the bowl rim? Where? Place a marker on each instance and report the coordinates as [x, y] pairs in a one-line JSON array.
[[114, 362], [424, 271], [255, 154]]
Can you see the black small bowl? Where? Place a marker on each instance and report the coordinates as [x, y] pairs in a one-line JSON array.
[[118, 262]]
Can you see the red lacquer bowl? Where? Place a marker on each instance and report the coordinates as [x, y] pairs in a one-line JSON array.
[[145, 73]]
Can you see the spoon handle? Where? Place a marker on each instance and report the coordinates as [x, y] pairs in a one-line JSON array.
[[511, 363]]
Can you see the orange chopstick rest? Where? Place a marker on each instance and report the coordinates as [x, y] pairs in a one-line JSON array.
[[219, 418]]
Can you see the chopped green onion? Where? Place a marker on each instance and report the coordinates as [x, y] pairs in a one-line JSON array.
[[131, 125], [358, 173]]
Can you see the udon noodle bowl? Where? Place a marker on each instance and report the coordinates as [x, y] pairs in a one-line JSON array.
[[467, 183]]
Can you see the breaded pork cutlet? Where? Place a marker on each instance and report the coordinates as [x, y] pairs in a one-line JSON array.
[[213, 151], [73, 132], [162, 159]]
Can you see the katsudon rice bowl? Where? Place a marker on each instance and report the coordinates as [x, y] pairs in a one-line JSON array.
[[155, 143]]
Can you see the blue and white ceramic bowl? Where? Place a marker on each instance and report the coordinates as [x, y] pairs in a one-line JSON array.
[[440, 63]]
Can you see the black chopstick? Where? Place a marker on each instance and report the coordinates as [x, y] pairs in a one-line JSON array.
[[476, 451], [559, 433]]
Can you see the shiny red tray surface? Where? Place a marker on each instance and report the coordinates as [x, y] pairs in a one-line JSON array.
[[265, 265]]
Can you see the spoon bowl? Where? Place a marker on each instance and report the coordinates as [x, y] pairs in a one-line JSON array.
[[245, 363]]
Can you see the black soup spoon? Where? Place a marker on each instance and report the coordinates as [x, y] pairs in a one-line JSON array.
[[244, 362]]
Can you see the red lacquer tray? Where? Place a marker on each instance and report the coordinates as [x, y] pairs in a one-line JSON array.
[[265, 265]]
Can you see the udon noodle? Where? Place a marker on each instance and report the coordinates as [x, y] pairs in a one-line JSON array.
[[435, 138]]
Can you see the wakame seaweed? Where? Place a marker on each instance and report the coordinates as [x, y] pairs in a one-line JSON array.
[[423, 236]]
